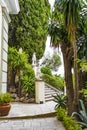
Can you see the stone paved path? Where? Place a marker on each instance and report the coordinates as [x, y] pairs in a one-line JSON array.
[[51, 123], [21, 109]]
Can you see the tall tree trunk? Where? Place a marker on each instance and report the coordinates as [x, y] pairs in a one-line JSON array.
[[19, 83], [82, 81], [76, 79], [68, 76], [11, 79]]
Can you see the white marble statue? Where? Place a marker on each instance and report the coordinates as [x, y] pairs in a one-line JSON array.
[[34, 60], [36, 66]]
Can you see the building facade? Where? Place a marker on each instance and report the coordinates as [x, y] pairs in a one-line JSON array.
[[6, 7]]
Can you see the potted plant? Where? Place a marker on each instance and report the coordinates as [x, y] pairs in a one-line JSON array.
[[5, 99]]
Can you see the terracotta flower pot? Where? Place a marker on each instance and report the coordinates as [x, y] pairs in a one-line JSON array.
[[4, 109]]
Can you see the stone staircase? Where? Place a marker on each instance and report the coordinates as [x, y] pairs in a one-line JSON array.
[[50, 92]]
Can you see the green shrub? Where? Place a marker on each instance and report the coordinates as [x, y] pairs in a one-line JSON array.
[[52, 80], [5, 98], [69, 123], [46, 70], [28, 79], [82, 114], [61, 113], [22, 70], [60, 100], [84, 92]]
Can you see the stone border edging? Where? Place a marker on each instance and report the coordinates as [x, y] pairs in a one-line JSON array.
[[52, 114]]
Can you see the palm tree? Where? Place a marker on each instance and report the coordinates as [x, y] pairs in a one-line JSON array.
[[71, 11], [16, 63], [59, 37]]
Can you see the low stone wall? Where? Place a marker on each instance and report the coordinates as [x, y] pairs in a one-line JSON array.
[[24, 98]]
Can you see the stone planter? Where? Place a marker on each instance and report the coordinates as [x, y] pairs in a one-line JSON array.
[[4, 109]]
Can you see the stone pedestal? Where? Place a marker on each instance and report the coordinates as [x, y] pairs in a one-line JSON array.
[[40, 91]]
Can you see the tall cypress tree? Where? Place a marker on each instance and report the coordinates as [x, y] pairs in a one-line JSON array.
[[29, 28]]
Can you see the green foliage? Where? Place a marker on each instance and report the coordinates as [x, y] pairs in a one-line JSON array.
[[28, 79], [83, 65], [82, 47], [12, 54], [19, 62], [61, 113], [69, 123], [16, 60], [60, 100], [82, 114], [82, 38], [71, 13], [84, 92], [53, 62], [5, 98], [52, 80], [60, 80], [46, 70], [29, 29], [57, 33]]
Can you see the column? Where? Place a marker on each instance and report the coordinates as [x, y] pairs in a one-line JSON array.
[[40, 91]]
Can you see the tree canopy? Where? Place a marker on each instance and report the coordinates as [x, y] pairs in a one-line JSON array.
[[29, 28], [53, 62]]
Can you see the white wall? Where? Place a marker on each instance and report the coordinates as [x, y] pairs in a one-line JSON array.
[[6, 7], [0, 46], [4, 19]]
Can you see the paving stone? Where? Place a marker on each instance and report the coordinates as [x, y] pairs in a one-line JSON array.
[[1, 128], [40, 120], [5, 124], [22, 129], [32, 124], [27, 124], [39, 128], [51, 128], [20, 109], [35, 124]]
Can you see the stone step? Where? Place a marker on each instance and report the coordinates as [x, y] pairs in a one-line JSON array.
[[47, 88], [49, 93], [50, 90], [47, 96], [53, 93], [49, 99]]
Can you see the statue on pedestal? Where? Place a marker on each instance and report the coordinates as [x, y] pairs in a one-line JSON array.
[[35, 65], [34, 60]]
